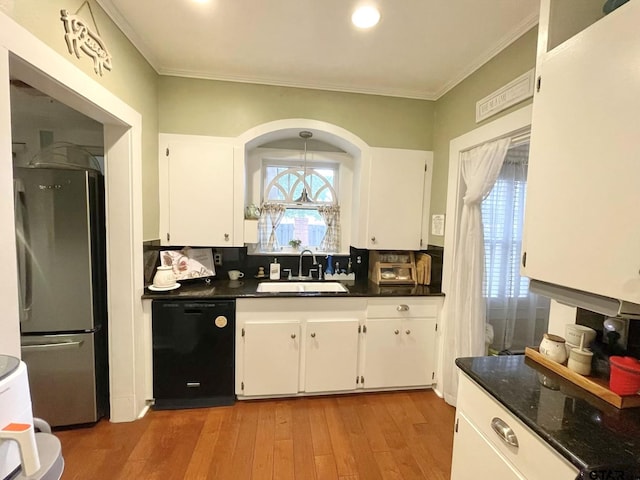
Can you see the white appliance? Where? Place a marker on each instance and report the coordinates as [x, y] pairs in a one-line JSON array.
[[24, 454], [15, 407]]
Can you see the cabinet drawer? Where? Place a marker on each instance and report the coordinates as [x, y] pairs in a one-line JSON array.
[[401, 307], [532, 457]]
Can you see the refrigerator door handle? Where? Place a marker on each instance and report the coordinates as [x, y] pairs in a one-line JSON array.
[[50, 346], [24, 257]]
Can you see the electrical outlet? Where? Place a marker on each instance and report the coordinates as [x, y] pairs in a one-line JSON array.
[[217, 259]]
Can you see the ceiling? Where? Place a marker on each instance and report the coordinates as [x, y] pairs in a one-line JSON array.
[[420, 49]]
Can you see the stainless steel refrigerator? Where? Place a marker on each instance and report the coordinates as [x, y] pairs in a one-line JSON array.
[[60, 237]]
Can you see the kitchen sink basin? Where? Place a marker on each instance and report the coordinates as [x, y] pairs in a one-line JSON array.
[[300, 287]]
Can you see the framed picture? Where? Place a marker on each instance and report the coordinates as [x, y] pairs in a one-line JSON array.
[[189, 263]]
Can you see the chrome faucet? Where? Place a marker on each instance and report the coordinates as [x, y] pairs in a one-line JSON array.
[[315, 262]]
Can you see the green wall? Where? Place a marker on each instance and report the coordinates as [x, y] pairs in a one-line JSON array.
[[208, 107], [132, 78], [455, 112]]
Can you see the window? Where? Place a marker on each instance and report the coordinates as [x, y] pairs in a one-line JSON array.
[[503, 219], [518, 317], [311, 222]]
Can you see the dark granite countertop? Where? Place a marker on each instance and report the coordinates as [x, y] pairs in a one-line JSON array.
[[598, 438], [246, 288]]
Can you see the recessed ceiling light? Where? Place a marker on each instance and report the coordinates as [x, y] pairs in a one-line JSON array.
[[365, 17], [201, 1]]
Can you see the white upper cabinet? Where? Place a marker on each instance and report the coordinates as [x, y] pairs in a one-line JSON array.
[[198, 205], [582, 222], [396, 191]]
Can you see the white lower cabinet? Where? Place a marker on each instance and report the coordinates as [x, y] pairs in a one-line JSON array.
[[331, 355], [477, 447], [291, 346], [399, 352], [400, 342], [473, 455], [298, 346], [271, 357]]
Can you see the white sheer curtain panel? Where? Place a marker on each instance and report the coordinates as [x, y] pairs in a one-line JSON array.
[[464, 326], [518, 317]]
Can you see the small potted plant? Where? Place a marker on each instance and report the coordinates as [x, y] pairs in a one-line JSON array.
[[295, 244]]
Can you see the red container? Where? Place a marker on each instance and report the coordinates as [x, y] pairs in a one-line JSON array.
[[625, 375]]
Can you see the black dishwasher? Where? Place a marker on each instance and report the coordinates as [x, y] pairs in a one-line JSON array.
[[193, 353]]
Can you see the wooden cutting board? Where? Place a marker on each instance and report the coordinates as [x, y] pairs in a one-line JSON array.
[[598, 386]]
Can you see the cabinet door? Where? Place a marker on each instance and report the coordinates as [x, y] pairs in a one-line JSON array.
[[474, 457], [331, 355], [271, 358], [395, 199], [200, 178], [581, 223], [399, 352]]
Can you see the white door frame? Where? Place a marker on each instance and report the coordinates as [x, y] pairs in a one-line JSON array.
[[28, 58], [500, 128]]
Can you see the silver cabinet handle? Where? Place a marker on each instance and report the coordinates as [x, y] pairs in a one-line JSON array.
[[408, 332], [373, 239], [293, 335], [402, 308], [396, 332], [504, 431], [313, 335], [226, 237]]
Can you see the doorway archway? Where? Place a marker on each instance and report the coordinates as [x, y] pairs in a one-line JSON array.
[[25, 57]]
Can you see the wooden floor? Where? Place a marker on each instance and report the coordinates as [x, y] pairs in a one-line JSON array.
[[399, 435]]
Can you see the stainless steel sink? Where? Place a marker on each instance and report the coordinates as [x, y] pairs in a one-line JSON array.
[[300, 287]]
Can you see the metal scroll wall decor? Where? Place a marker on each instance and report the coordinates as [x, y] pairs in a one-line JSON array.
[[80, 38]]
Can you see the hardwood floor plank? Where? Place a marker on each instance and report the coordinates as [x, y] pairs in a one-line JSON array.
[[198, 467], [388, 466], [225, 446], [340, 441], [242, 461], [265, 437], [319, 429], [283, 420], [410, 421], [364, 458], [371, 425], [303, 457], [326, 467], [283, 464]]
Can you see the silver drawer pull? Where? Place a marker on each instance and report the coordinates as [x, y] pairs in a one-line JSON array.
[[193, 384], [504, 431], [403, 308], [49, 346]]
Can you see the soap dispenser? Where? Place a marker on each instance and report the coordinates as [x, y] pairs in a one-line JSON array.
[[274, 270], [329, 269]]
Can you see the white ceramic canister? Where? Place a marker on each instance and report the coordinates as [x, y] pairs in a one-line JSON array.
[[164, 277], [580, 361], [552, 347]]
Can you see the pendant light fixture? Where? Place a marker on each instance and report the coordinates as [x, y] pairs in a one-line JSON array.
[[304, 196]]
